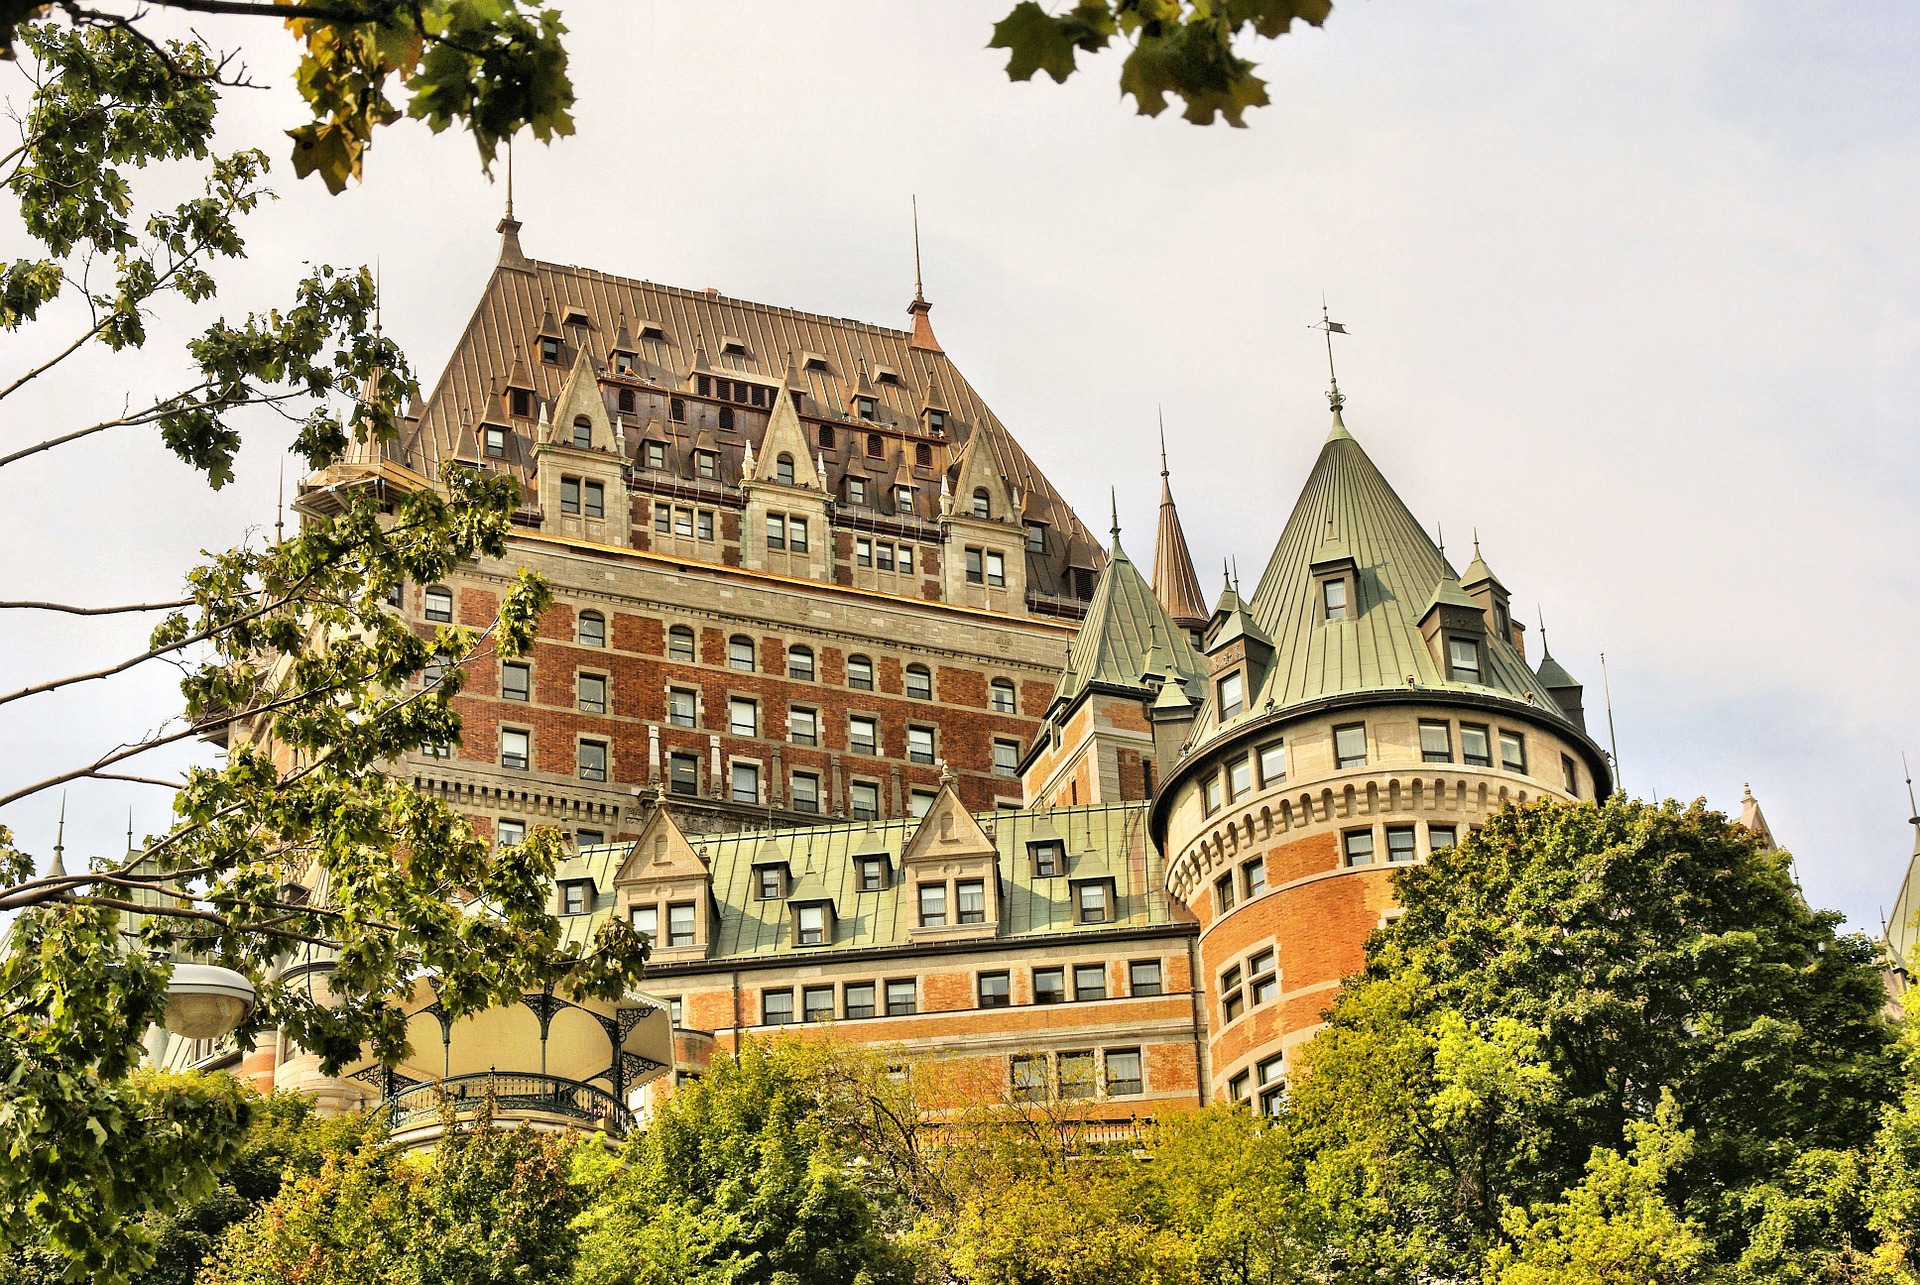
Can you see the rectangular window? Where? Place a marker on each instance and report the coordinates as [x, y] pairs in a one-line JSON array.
[[1350, 745], [903, 500], [706, 464], [663, 519], [920, 745], [919, 803], [1436, 742], [970, 901], [1253, 876], [573, 899], [996, 570], [1223, 894], [683, 773], [995, 990], [645, 920], [863, 734], [522, 401], [776, 531], [1513, 751], [1123, 1073], [1239, 779], [872, 874], [903, 997], [507, 833], [1049, 985], [865, 800], [743, 716], [856, 490], [1077, 1074], [1028, 1073], [1463, 660], [496, 443], [515, 749], [1093, 903], [1357, 845], [683, 523], [746, 783], [680, 643], [776, 1007], [681, 706], [803, 726], [1233, 1001], [570, 495], [806, 792], [800, 663], [1263, 981], [1273, 763], [588, 838], [797, 534], [769, 883], [883, 556], [593, 760], [680, 924], [858, 997], [740, 654], [1273, 1090], [1143, 977], [975, 574], [1210, 793], [812, 924], [1036, 537], [1476, 750], [657, 451], [593, 693], [1334, 594], [817, 1003], [439, 606], [516, 682], [863, 552], [906, 559], [1006, 757], [594, 500], [1089, 981], [1233, 696], [1049, 857], [933, 905], [1569, 776], [1441, 836], [1399, 844], [1237, 1087]]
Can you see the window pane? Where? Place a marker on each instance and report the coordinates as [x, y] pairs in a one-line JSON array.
[[866, 801], [515, 749], [1049, 985], [797, 534], [593, 693], [515, 682], [863, 735], [1239, 779], [800, 663], [680, 925], [1254, 876], [645, 919], [1441, 836], [1400, 843], [1358, 845], [680, 707], [507, 833], [1273, 763], [818, 1004], [440, 605], [743, 717], [1028, 1072], [919, 682], [1513, 751], [902, 998], [803, 726], [596, 500], [812, 922], [920, 744], [1436, 743], [1093, 903], [593, 760], [806, 792], [1143, 977], [1076, 1074], [1123, 1072], [680, 643], [1002, 697], [740, 653], [1463, 654], [1006, 757], [1089, 981], [746, 783], [683, 774], [995, 991], [593, 629], [859, 999], [1475, 748], [1210, 793], [860, 673], [1049, 857], [933, 905], [970, 901], [776, 1007], [1223, 894], [569, 495], [1232, 696], [1334, 594], [1350, 745], [996, 570]]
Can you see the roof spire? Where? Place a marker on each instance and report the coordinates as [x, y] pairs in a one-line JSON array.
[[922, 327], [1174, 583], [1161, 412], [1113, 498], [1911, 805], [509, 227], [1331, 328], [59, 866]]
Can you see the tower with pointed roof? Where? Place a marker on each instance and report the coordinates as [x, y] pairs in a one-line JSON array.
[[1174, 582], [1362, 708]]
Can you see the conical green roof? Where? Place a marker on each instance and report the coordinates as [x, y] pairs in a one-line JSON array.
[[1553, 675], [1126, 632], [1401, 574]]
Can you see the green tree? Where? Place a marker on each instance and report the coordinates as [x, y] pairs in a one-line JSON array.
[[289, 653], [1183, 49], [738, 1179]]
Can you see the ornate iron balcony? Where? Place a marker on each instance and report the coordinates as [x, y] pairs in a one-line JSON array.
[[514, 1095]]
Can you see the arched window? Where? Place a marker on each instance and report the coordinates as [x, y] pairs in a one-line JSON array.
[[982, 503], [800, 663], [826, 437], [876, 445], [783, 469], [1000, 696], [740, 653], [860, 673], [923, 456], [726, 419], [440, 605], [582, 431], [680, 643], [919, 682], [626, 400], [676, 410], [593, 629]]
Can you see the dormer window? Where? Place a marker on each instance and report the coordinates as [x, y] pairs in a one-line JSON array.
[[864, 407], [623, 363], [576, 320], [494, 443], [810, 924], [520, 403], [576, 896], [1463, 659], [814, 361], [656, 454], [826, 437], [872, 874], [936, 421], [1049, 858], [706, 463], [856, 490], [550, 349], [1333, 594], [885, 375], [582, 432], [733, 348], [1233, 695], [783, 469], [982, 503], [769, 883]]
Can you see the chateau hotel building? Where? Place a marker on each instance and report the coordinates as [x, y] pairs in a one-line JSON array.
[[844, 706]]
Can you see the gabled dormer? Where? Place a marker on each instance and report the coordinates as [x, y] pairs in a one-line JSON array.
[[812, 916], [1455, 629], [863, 402], [1336, 579], [934, 412], [1480, 584], [517, 398], [986, 556], [550, 342], [623, 358], [784, 458], [1238, 652], [950, 874], [1565, 689], [580, 476], [665, 883], [772, 873]]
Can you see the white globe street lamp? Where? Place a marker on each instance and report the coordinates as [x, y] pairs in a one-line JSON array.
[[205, 1001]]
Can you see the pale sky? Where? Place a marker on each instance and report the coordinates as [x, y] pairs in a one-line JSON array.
[[1633, 290]]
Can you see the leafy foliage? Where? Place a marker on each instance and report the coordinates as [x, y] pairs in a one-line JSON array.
[[1180, 48]]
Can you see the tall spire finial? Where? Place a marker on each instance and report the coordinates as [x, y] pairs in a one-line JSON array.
[[1544, 649], [1162, 413], [509, 227], [919, 294], [1912, 807], [1332, 328], [509, 178], [1113, 498], [59, 866], [129, 827], [922, 327], [1440, 539]]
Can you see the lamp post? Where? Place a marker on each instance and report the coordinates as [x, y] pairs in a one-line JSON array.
[[205, 1001]]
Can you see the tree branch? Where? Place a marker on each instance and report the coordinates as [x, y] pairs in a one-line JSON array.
[[95, 611]]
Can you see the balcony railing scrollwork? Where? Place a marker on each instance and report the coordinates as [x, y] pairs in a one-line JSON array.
[[514, 1094]]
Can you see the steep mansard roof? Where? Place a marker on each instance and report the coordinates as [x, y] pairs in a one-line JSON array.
[[674, 327], [1126, 633], [1347, 504]]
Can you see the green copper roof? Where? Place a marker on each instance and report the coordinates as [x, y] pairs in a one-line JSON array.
[[1401, 574], [1107, 842], [1902, 931], [1126, 633], [1552, 674]]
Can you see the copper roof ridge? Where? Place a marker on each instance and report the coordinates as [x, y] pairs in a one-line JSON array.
[[701, 294]]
